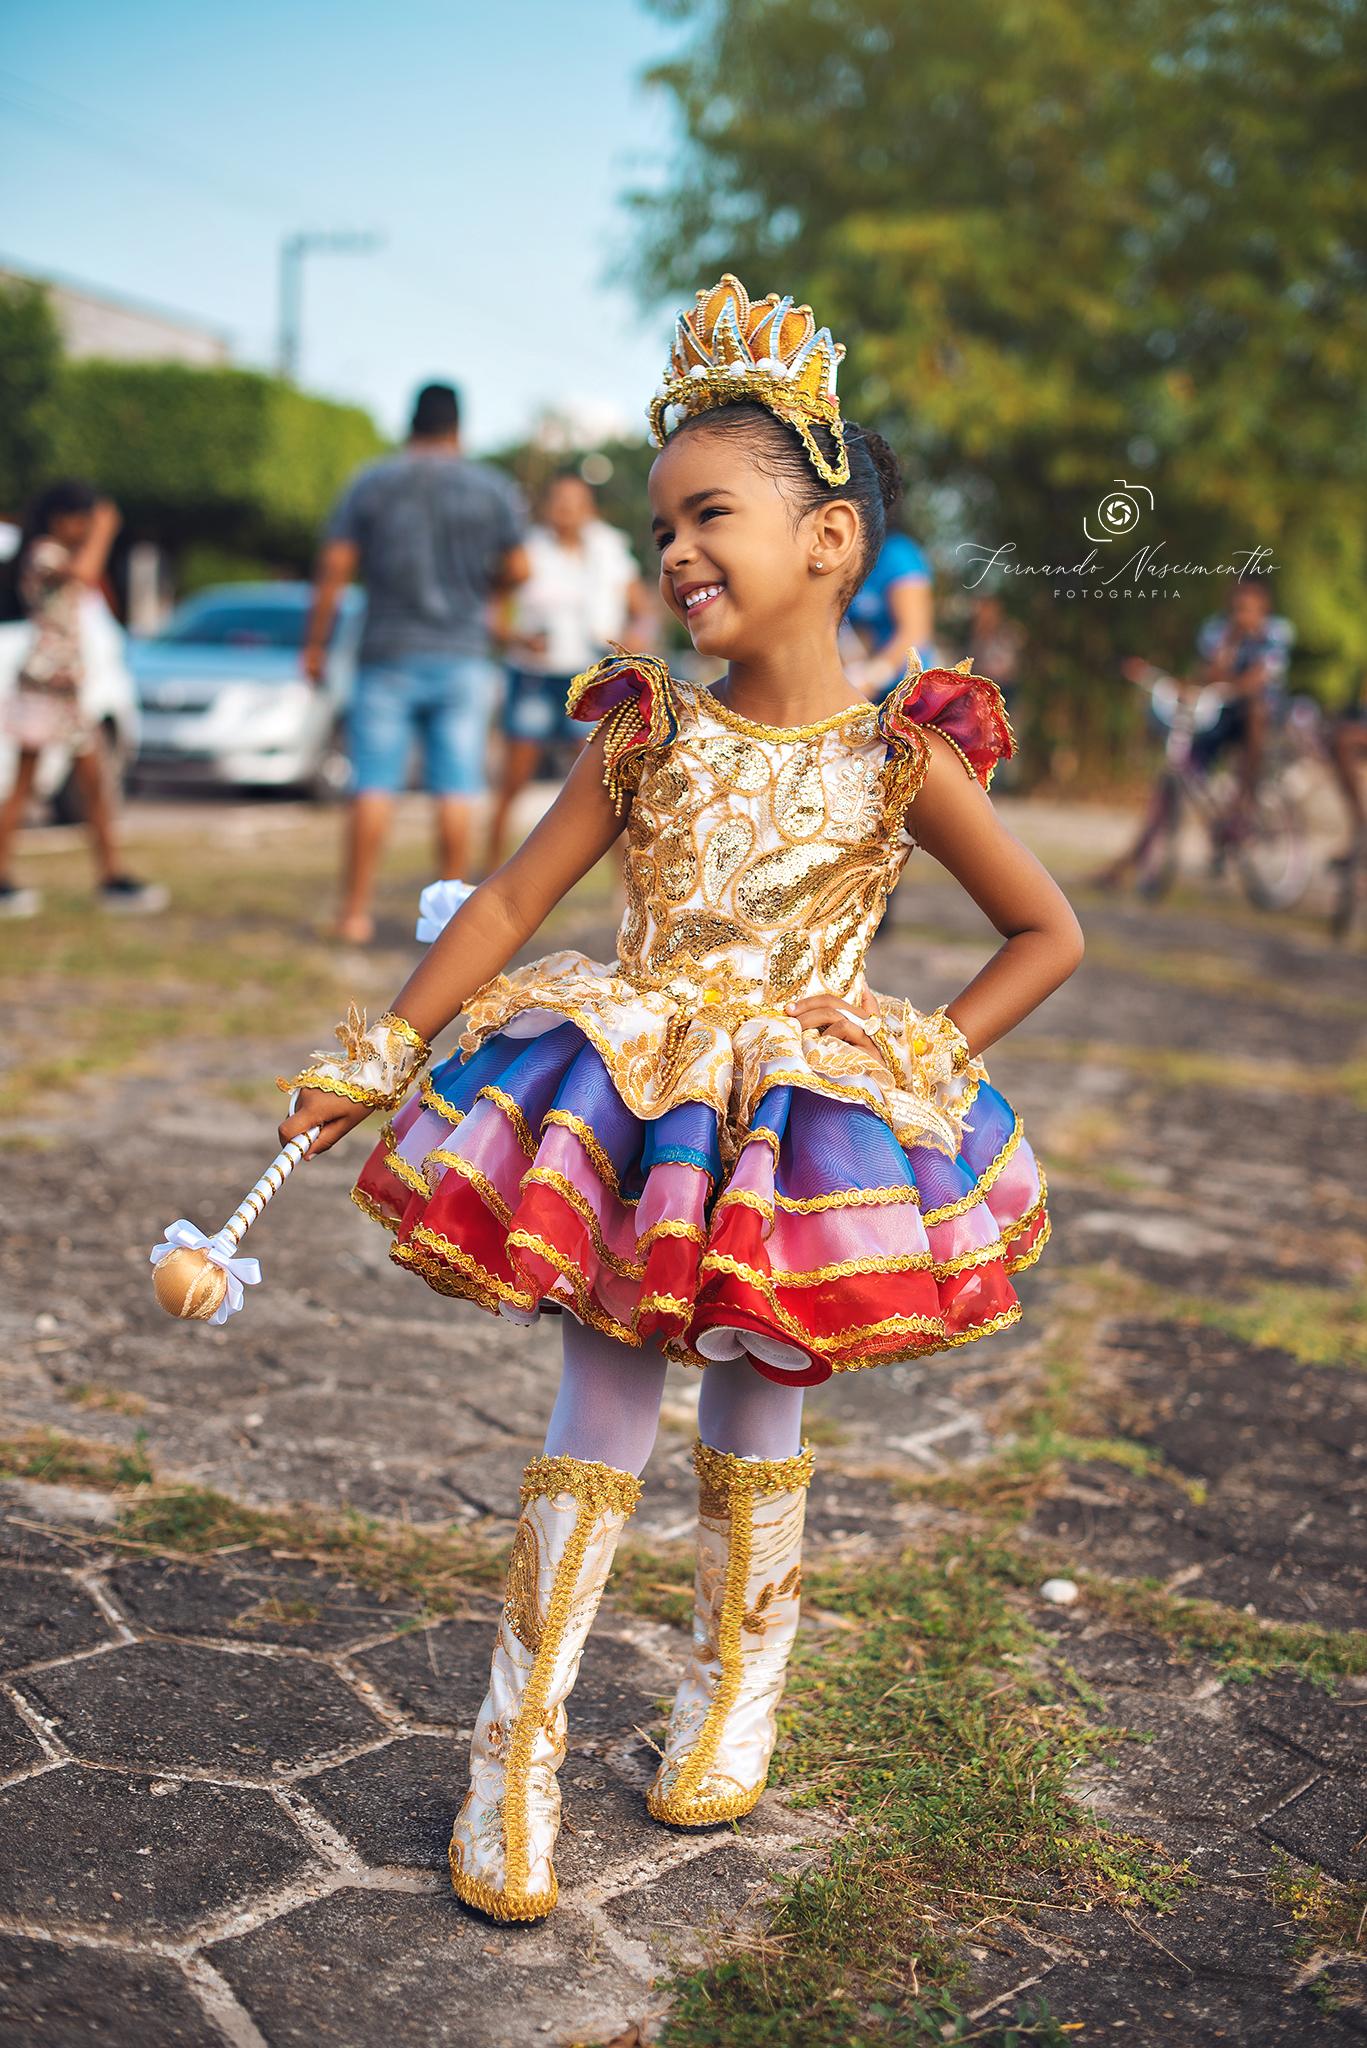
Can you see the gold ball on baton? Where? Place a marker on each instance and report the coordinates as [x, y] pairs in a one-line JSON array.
[[188, 1284]]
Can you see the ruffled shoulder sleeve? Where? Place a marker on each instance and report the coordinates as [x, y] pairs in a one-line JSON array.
[[965, 709], [632, 698]]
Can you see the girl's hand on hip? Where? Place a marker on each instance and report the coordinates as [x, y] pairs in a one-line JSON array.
[[845, 1017], [334, 1113]]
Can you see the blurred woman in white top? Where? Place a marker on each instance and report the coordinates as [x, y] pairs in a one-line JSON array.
[[583, 588]]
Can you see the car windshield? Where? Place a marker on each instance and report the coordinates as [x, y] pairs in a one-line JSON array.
[[238, 625]]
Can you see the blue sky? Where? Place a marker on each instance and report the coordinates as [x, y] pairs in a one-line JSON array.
[[162, 150]]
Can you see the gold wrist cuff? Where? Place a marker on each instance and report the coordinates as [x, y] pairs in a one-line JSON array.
[[377, 1066], [412, 1038]]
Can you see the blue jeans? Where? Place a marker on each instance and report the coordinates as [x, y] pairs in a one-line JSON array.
[[443, 702], [534, 709]]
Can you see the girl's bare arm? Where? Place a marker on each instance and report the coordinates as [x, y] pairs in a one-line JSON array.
[[954, 821], [88, 562], [489, 927]]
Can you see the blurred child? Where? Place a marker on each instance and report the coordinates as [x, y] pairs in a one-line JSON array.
[[62, 555], [583, 588]]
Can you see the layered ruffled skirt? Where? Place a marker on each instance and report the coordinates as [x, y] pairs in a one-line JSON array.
[[786, 1218]]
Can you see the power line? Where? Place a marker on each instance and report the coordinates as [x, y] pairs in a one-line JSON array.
[[70, 117]]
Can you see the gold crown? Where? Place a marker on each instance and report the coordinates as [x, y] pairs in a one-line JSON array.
[[726, 350]]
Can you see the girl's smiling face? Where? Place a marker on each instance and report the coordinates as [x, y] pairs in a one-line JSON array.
[[733, 565]]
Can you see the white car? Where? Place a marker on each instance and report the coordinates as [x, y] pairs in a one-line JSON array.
[[107, 692], [223, 698]]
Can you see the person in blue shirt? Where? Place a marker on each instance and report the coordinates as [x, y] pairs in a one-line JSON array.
[[1243, 652], [893, 613]]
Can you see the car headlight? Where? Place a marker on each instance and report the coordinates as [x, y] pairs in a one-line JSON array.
[[252, 716]]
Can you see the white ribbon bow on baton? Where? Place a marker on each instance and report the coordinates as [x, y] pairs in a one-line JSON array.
[[437, 905], [183, 1236]]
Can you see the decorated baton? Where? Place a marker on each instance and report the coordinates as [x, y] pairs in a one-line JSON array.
[[200, 1278]]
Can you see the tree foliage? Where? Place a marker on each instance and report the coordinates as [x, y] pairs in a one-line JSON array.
[[223, 456], [1065, 242], [30, 364]]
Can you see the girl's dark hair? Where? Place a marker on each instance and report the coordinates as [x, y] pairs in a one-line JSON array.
[[68, 494], [874, 488]]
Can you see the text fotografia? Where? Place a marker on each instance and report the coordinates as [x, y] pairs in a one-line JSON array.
[[1147, 573]]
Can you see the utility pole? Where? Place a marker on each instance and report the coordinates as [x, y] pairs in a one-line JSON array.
[[293, 249]]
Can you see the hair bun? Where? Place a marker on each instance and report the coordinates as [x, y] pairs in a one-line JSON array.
[[886, 467]]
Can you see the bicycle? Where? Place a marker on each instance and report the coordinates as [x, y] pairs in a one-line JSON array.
[[1264, 838]]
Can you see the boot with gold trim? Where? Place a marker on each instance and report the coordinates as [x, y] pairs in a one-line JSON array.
[[746, 1596], [573, 1512]]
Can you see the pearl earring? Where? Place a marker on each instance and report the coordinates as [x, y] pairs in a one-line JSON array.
[[818, 565]]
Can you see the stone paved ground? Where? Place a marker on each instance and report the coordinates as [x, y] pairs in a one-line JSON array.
[[226, 1783]]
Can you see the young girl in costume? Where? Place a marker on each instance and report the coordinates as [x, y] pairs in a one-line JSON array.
[[722, 1148]]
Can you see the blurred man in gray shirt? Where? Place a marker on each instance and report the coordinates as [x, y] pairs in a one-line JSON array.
[[432, 537]]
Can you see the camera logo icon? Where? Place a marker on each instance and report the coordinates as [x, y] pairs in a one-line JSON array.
[[1118, 512]]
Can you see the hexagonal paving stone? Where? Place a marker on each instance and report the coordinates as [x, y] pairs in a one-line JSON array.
[[436, 1675], [272, 1603], [51, 1997], [674, 1913], [1137, 2005], [139, 1854], [23, 1539], [165, 1704], [603, 1823], [396, 1806], [42, 1614], [1196, 1768], [1326, 1825], [421, 1970], [620, 1688], [20, 1748], [1330, 1727]]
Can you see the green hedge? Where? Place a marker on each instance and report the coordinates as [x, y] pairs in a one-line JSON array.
[[225, 456]]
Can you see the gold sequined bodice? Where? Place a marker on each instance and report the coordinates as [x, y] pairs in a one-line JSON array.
[[759, 858]]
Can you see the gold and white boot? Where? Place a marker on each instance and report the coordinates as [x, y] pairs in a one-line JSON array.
[[745, 1608], [573, 1512]]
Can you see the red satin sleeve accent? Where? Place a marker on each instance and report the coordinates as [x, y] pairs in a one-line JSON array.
[[631, 697], [966, 709]]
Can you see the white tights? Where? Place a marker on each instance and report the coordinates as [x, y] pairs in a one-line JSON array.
[[608, 1406]]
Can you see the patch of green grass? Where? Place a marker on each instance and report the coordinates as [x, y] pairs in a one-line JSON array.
[[1328, 1915], [1177, 1067], [274, 1609], [1330, 1921], [433, 1567], [927, 1729], [1089, 1144], [1317, 1325], [55, 1459], [90, 1394], [132, 1467], [1243, 1645], [1214, 973], [823, 1431], [238, 956], [1058, 1422]]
